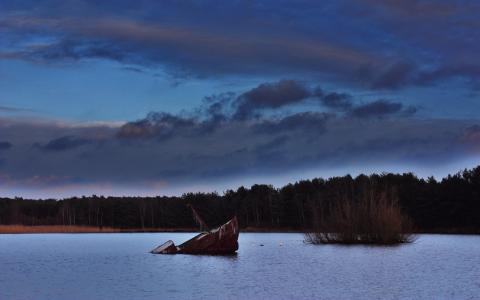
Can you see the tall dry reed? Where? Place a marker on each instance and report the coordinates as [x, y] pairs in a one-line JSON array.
[[372, 220]]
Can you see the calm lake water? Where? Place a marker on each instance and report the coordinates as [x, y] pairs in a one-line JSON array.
[[118, 266]]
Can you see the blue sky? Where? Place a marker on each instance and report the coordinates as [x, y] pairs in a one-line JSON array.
[[240, 90]]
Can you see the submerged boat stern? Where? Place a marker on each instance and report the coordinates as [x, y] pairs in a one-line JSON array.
[[222, 240]]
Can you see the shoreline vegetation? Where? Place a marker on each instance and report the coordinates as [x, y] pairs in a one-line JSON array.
[[20, 229], [13, 229], [28, 229], [450, 205]]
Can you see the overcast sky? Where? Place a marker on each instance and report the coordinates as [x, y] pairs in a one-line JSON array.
[[163, 97]]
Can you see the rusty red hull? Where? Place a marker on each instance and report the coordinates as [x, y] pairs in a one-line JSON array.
[[222, 240]]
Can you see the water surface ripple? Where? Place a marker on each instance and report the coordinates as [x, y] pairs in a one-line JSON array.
[[118, 266]]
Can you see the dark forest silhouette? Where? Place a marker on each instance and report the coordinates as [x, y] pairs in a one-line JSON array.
[[449, 205]]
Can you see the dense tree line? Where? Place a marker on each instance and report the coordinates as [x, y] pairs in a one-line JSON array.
[[452, 204]]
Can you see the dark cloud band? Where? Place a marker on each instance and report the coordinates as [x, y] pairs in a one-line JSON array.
[[401, 51], [212, 144]]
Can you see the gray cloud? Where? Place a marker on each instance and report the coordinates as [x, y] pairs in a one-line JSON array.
[[277, 95], [431, 10], [152, 44], [4, 145], [414, 42], [402, 74], [445, 35], [64, 143], [337, 101], [133, 69], [166, 149], [306, 121], [394, 76], [159, 126], [217, 106], [255, 104], [381, 108], [10, 109], [471, 136], [270, 95], [469, 70]]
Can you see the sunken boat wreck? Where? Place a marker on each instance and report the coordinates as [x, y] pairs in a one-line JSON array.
[[219, 241]]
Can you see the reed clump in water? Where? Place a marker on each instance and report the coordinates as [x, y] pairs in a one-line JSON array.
[[376, 219]]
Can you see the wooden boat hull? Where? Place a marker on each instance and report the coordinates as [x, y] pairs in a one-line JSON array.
[[222, 240]]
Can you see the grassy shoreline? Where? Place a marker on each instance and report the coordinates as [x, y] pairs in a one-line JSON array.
[[19, 229], [23, 229]]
